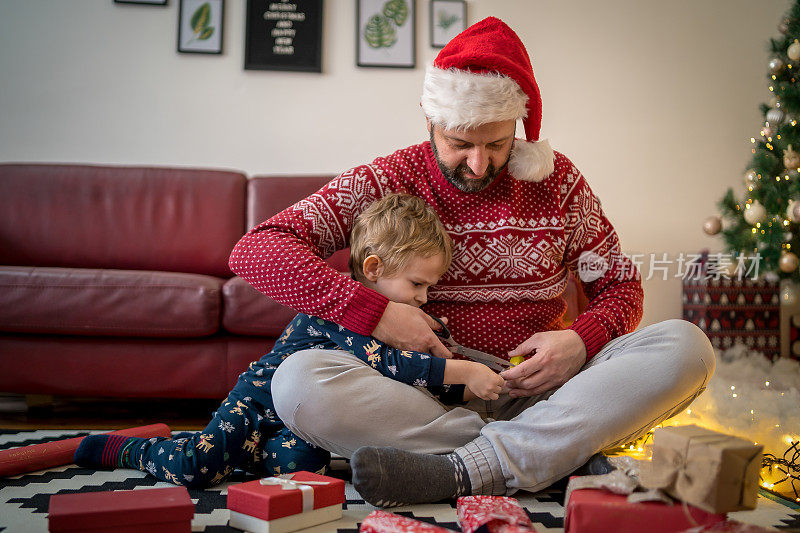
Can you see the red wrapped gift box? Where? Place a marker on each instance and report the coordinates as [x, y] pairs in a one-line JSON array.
[[167, 510], [493, 514], [285, 503], [601, 511], [383, 522]]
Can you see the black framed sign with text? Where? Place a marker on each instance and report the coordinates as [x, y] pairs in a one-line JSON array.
[[284, 35]]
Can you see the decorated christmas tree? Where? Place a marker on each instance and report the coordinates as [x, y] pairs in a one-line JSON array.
[[764, 219]]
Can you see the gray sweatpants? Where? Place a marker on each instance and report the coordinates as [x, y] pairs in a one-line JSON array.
[[336, 401]]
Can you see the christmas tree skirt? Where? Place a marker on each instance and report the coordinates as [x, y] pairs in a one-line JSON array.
[[24, 499]]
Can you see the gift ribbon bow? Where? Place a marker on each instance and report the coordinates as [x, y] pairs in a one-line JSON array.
[[305, 487]]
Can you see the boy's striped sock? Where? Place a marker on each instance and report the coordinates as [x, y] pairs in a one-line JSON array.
[[105, 451]]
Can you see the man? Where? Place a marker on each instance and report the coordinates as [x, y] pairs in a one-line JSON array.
[[521, 218]]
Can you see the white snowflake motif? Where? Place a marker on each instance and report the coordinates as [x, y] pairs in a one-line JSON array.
[[424, 356], [260, 372], [340, 328], [327, 334], [393, 370], [160, 451], [313, 332], [270, 414], [188, 477], [226, 426], [153, 440], [247, 399], [349, 341], [259, 418], [151, 467], [420, 383]]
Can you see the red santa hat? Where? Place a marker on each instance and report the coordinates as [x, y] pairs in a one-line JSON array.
[[484, 75]]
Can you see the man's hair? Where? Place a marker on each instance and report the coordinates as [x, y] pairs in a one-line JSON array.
[[397, 228]]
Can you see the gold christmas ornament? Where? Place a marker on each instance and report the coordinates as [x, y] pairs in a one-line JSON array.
[[755, 213], [791, 159], [788, 262], [794, 50], [712, 225]]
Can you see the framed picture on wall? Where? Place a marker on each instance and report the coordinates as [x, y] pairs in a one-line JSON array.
[[283, 35], [149, 2], [448, 19], [385, 33], [200, 26]]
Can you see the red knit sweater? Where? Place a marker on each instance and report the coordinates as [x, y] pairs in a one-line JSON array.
[[514, 243]]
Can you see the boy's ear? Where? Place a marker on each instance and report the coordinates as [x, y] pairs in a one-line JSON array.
[[372, 267]]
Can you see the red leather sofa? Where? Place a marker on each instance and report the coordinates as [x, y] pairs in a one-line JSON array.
[[114, 280]]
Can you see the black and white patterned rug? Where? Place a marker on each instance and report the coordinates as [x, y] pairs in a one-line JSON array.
[[24, 499]]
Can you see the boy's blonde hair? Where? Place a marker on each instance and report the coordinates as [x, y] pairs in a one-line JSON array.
[[396, 228]]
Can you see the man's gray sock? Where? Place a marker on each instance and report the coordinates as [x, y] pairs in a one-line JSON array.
[[388, 477]]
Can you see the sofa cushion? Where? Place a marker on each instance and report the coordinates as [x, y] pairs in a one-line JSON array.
[[269, 195], [136, 218], [122, 366], [108, 302], [245, 311]]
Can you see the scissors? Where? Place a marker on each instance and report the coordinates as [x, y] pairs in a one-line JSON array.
[[492, 361]]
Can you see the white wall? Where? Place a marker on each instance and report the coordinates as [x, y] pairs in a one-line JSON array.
[[655, 101]]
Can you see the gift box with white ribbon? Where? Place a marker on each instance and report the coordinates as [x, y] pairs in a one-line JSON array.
[[285, 503]]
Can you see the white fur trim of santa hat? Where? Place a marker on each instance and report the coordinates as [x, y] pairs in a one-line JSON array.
[[458, 99]]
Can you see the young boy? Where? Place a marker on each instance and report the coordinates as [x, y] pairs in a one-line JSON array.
[[399, 248]]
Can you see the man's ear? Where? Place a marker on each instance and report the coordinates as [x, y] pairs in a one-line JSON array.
[[428, 125], [372, 267]]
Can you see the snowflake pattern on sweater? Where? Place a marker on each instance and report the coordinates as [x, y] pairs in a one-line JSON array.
[[515, 244]]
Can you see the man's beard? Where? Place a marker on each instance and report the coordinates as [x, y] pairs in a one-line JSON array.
[[457, 176]]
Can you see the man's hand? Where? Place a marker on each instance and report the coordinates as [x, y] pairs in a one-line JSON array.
[[409, 328], [557, 356]]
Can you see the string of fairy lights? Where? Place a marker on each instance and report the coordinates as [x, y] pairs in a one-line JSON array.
[[780, 474]]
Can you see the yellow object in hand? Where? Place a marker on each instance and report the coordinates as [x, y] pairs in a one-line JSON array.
[[517, 359]]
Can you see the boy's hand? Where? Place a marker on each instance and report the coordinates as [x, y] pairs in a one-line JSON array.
[[468, 394], [409, 328], [484, 382], [557, 357]]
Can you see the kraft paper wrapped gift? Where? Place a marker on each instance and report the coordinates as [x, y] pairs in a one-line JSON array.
[[285, 503], [710, 470]]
